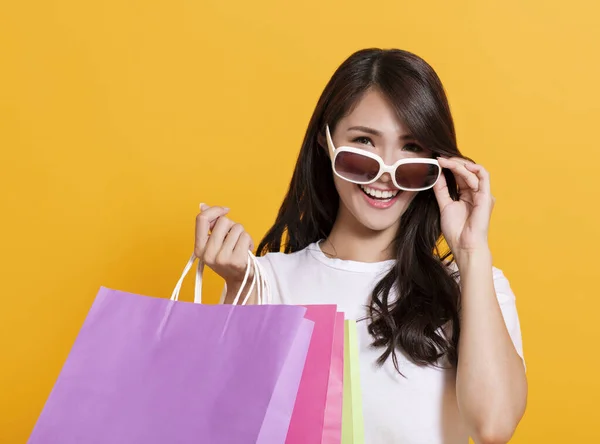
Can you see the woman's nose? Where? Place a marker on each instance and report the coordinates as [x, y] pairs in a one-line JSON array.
[[385, 178]]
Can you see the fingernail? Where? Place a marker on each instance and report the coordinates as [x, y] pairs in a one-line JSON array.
[[203, 206], [226, 209]]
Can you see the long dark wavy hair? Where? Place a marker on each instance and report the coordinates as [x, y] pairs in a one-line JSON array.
[[415, 308]]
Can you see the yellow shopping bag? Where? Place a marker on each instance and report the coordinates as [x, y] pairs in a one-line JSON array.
[[352, 416]]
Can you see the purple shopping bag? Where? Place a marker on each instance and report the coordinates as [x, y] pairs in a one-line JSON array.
[[149, 370], [279, 414]]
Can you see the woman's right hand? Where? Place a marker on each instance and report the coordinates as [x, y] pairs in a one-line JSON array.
[[223, 245]]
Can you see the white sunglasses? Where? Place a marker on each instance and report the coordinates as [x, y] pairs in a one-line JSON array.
[[363, 168]]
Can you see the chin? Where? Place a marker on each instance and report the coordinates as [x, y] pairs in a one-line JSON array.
[[377, 224], [379, 220]]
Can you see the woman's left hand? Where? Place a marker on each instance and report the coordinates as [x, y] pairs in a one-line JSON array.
[[465, 222]]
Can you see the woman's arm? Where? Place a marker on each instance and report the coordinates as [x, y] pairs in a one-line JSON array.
[[491, 386]]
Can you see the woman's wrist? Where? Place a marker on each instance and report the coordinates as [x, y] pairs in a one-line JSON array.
[[476, 257], [233, 288]]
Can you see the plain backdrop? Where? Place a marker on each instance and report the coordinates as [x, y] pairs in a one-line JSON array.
[[117, 118]]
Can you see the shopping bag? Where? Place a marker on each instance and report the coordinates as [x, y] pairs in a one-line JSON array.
[[352, 421], [150, 370], [307, 422], [279, 413], [332, 424]]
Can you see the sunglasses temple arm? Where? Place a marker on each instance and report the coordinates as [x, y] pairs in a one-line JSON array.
[[329, 143]]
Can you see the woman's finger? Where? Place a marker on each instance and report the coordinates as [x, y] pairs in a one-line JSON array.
[[483, 175], [243, 245], [232, 237], [461, 183], [461, 173], [215, 241], [205, 221], [212, 213], [442, 194], [461, 160]]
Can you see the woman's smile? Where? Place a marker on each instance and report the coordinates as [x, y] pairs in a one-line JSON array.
[[379, 198]]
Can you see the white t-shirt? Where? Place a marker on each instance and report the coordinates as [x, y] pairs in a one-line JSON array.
[[419, 408]]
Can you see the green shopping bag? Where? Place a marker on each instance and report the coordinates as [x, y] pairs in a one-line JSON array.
[[352, 415]]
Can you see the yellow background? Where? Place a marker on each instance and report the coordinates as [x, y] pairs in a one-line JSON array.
[[118, 117]]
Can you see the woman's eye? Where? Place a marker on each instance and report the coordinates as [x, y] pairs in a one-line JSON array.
[[363, 140], [412, 147]]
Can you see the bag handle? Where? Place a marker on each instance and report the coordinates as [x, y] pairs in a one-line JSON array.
[[258, 279]]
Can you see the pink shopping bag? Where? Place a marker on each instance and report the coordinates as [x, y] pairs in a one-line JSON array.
[[308, 418], [332, 424]]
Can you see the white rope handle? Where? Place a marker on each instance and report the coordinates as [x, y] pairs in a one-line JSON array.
[[254, 279], [265, 289], [258, 279], [177, 289]]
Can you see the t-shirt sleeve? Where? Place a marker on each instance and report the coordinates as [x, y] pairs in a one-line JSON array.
[[508, 306], [271, 277]]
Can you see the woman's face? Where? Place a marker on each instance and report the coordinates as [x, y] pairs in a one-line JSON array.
[[374, 126]]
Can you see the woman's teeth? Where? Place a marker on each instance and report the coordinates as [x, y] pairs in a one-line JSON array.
[[378, 194]]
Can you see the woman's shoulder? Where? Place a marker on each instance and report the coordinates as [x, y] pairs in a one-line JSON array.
[[278, 259], [282, 271]]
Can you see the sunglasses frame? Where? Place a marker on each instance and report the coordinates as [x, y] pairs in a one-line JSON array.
[[383, 168]]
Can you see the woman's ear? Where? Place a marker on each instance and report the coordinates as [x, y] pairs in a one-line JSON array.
[[322, 142]]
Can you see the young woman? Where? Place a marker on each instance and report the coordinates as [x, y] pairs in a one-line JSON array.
[[379, 184]]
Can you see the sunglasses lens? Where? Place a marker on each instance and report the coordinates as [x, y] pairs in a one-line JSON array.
[[356, 167], [414, 176]]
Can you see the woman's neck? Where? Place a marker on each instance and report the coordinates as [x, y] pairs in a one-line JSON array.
[[350, 240]]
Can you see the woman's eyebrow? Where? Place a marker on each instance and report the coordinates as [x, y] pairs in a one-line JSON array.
[[373, 131]]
